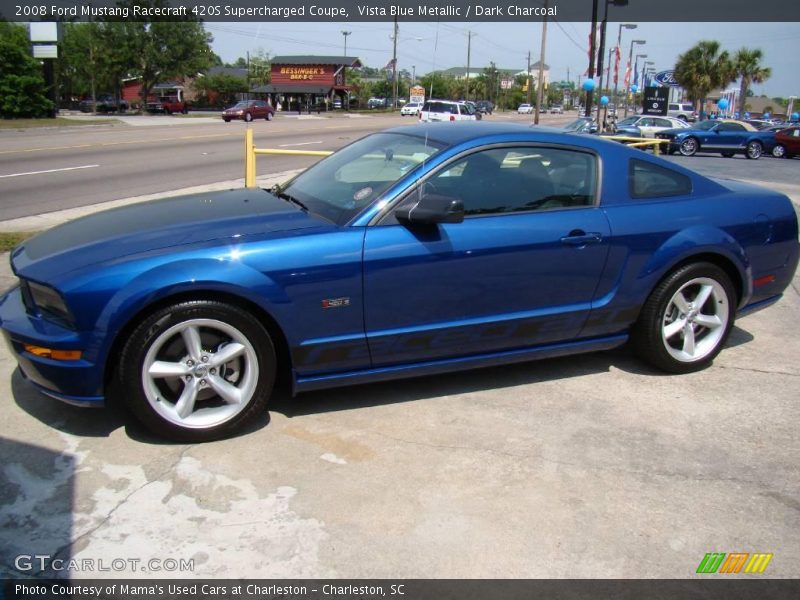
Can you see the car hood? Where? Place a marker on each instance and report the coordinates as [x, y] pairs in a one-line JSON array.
[[151, 226]]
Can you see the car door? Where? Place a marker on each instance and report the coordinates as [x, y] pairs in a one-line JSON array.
[[732, 136], [645, 125], [520, 270]]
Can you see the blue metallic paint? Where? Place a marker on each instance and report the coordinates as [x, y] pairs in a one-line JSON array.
[[492, 289]]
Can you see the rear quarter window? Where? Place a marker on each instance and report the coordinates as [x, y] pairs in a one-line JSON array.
[[648, 180]]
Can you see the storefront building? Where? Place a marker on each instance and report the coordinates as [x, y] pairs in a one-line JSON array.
[[305, 83]]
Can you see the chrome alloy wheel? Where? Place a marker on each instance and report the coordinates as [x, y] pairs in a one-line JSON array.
[[695, 320], [200, 373]]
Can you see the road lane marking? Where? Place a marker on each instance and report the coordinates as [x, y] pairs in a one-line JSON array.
[[49, 171], [298, 144]]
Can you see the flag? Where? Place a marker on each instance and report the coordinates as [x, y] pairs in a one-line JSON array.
[[589, 48], [391, 63], [616, 67], [628, 76]]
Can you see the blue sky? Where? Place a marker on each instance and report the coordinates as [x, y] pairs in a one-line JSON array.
[[429, 46]]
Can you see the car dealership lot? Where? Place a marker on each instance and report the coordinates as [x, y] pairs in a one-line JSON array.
[[585, 466]]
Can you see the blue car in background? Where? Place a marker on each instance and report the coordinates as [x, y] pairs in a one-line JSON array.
[[413, 251], [726, 136]]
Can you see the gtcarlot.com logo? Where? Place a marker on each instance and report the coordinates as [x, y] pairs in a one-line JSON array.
[[46, 563], [734, 562]]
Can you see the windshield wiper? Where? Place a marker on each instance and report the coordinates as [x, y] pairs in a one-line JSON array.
[[277, 190]]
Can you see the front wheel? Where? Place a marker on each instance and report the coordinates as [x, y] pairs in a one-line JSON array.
[[689, 147], [197, 371], [248, 117], [779, 151], [269, 116], [686, 320], [754, 150]]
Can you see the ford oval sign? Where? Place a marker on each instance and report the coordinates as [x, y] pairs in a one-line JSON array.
[[667, 78]]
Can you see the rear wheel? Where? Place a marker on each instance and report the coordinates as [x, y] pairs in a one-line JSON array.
[[753, 150], [689, 147], [779, 151], [197, 371], [686, 320]]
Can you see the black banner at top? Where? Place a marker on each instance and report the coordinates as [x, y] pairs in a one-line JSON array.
[[403, 10]]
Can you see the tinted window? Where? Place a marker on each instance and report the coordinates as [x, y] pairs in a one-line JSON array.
[[503, 180], [731, 127], [646, 180], [662, 123]]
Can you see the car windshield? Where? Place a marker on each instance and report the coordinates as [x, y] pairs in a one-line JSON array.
[[340, 186], [577, 125], [628, 121], [241, 105]]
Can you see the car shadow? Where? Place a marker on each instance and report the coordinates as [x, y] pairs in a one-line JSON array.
[[461, 382]]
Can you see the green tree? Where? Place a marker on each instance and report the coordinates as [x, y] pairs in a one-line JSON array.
[[702, 69], [159, 50], [21, 80], [437, 86], [747, 64], [226, 87]]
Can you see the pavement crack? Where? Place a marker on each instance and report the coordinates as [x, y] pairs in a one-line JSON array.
[[58, 554], [763, 371]]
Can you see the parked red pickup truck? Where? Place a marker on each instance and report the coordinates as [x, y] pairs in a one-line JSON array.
[[168, 104]]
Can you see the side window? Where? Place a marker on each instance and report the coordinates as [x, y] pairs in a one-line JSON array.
[[662, 123], [515, 179], [647, 180], [674, 107]]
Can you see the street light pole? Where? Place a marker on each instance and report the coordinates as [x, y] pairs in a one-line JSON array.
[[603, 40], [344, 68], [629, 72]]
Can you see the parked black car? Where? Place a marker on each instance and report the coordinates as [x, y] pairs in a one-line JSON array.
[[484, 107], [105, 103]]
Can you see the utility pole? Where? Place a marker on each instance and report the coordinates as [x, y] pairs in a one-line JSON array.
[[528, 77], [540, 95], [394, 66], [469, 48], [592, 51]]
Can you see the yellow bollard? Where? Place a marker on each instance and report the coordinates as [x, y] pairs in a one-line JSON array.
[[656, 149], [249, 160]]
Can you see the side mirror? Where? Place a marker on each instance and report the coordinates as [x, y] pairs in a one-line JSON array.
[[432, 209]]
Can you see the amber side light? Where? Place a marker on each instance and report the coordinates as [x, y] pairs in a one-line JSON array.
[[53, 354]]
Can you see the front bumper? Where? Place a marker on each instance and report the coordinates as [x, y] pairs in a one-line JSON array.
[[74, 381]]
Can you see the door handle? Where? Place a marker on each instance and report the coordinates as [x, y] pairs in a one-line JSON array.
[[579, 237]]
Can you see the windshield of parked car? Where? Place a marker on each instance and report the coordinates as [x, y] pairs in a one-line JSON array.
[[577, 125], [340, 186]]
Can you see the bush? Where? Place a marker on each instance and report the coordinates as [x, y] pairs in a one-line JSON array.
[[21, 80]]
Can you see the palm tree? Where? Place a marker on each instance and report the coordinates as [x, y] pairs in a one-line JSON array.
[[747, 64], [703, 68]]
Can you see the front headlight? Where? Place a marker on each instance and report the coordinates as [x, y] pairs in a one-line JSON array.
[[49, 303]]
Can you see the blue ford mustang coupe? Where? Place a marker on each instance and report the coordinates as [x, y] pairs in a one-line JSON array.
[[413, 251]]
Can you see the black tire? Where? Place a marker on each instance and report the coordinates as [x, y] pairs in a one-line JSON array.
[[728, 154], [154, 399], [650, 337], [185, 110], [779, 151], [227, 120], [689, 146], [754, 150], [168, 111], [269, 116], [248, 117]]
